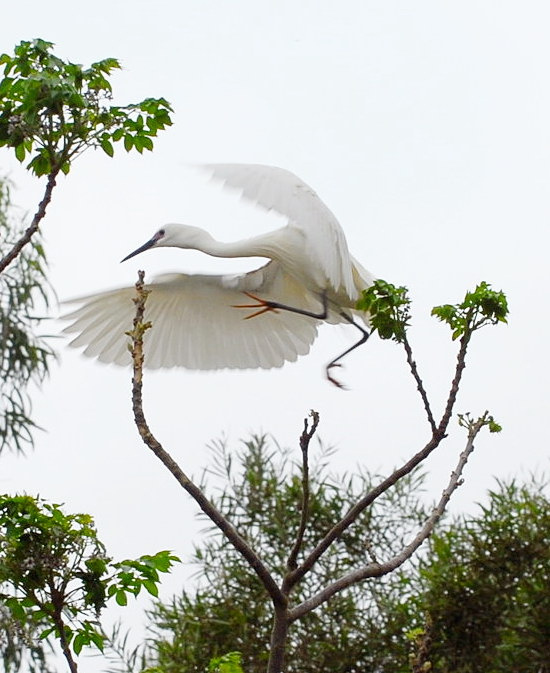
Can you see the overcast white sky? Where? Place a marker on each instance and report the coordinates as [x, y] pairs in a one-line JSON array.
[[423, 126]]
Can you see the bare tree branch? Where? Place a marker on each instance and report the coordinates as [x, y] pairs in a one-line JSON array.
[[455, 384], [419, 383], [379, 569], [305, 439], [33, 228], [278, 598]]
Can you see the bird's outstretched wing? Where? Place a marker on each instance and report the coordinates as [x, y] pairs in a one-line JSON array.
[[195, 323], [280, 190]]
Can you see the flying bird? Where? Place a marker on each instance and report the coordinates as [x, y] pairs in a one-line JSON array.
[[259, 319]]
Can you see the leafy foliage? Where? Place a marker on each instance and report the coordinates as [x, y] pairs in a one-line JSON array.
[[228, 663], [358, 630], [54, 572], [389, 309], [24, 357], [51, 110], [484, 586], [481, 307]]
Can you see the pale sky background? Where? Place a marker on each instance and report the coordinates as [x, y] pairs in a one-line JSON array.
[[425, 128]]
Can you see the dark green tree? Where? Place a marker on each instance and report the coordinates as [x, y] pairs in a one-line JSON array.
[[24, 356], [361, 629], [56, 578], [481, 586], [485, 586]]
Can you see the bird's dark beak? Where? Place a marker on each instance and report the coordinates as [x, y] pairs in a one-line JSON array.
[[142, 248]]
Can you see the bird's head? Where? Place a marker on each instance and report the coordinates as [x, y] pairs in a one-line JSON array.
[[172, 235]]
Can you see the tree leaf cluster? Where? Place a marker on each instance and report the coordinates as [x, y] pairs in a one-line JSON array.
[[51, 110], [55, 574], [483, 306], [388, 307]]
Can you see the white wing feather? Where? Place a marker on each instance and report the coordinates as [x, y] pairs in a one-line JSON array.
[[195, 324], [280, 190]]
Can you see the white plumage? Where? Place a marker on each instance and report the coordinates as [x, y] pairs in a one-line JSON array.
[[198, 319]]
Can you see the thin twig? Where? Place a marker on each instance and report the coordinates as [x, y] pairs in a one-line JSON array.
[[33, 228], [455, 384], [305, 439], [419, 383], [379, 569], [154, 445]]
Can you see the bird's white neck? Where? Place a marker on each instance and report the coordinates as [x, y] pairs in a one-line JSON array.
[[264, 245]]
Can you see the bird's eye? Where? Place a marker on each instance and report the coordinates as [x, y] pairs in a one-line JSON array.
[[161, 232]]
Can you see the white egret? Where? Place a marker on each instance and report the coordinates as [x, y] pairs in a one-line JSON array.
[[198, 319]]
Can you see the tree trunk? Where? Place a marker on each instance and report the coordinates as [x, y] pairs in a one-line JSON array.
[[278, 641]]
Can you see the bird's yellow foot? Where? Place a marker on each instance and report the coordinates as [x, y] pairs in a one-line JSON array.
[[261, 304]]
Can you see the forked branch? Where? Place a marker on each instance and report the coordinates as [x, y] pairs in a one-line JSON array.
[[379, 569], [437, 436]]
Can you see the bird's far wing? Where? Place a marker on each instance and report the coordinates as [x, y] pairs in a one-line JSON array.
[[280, 190], [195, 324]]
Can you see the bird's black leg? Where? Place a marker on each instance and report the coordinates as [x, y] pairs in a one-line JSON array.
[[264, 306], [334, 363]]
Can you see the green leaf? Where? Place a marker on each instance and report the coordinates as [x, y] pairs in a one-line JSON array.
[[17, 610], [147, 143], [97, 565], [46, 632], [98, 640], [107, 146], [20, 152], [121, 597], [138, 143], [78, 643], [151, 587]]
